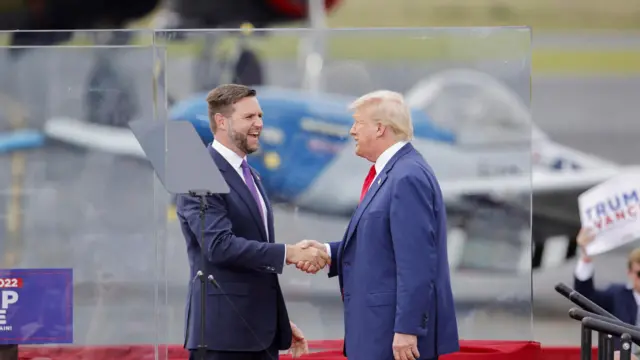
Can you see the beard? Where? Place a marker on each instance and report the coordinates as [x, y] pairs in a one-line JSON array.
[[241, 142]]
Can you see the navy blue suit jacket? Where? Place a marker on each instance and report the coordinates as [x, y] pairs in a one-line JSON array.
[[617, 299], [392, 264], [247, 312]]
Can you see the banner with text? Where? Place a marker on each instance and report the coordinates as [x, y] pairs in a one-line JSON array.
[[612, 209], [36, 306]]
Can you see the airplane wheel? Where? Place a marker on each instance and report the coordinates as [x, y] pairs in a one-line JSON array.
[[543, 229], [110, 98]]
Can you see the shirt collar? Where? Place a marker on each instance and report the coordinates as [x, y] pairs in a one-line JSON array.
[[384, 158], [232, 158]]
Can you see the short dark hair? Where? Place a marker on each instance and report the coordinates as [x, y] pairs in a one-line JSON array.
[[222, 98]]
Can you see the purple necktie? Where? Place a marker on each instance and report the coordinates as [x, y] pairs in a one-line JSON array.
[[248, 178]]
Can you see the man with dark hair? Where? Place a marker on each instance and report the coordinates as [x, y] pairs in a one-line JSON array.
[[247, 317], [222, 99]]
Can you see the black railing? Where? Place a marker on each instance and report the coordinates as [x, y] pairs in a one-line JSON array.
[[595, 318]]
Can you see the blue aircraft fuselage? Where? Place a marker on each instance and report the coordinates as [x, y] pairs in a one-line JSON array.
[[302, 134]]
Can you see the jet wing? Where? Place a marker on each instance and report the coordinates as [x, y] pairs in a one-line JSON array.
[[553, 194], [536, 182]]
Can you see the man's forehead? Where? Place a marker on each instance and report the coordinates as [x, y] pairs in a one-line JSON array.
[[248, 106], [363, 111], [360, 114], [250, 110]]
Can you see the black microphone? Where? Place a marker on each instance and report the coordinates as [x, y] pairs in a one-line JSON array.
[[564, 290], [580, 314], [610, 328], [582, 301]]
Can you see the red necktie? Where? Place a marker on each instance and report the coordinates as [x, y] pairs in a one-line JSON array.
[[367, 181]]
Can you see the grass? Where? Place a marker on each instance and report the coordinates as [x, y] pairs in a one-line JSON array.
[[539, 14], [443, 46], [446, 46], [456, 45], [586, 62], [392, 45], [507, 45]]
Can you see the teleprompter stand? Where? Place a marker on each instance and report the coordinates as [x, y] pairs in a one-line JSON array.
[[184, 166]]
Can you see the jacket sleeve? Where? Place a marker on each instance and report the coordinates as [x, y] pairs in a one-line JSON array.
[[412, 222], [221, 246], [602, 298], [334, 268]]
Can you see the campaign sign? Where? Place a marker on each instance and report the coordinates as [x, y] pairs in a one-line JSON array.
[[612, 211], [36, 306]]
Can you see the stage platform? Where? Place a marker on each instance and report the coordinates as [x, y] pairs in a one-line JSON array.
[[321, 350]]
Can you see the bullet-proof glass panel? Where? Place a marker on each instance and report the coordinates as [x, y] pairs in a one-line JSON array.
[[469, 92], [79, 235]]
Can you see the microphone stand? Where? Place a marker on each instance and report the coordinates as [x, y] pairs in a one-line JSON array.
[[202, 198]]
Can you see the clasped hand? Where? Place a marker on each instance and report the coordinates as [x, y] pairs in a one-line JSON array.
[[308, 255]]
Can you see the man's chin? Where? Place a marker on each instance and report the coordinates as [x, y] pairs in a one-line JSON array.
[[358, 152], [252, 149]]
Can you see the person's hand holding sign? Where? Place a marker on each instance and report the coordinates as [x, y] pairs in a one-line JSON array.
[[585, 237]]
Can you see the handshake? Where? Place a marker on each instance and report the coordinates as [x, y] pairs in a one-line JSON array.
[[308, 255]]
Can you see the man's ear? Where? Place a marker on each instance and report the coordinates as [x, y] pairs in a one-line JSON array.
[[380, 130], [219, 120]]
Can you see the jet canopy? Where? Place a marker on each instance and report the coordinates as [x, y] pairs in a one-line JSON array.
[[475, 106]]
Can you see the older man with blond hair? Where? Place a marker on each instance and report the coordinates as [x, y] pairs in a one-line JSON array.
[[392, 261]]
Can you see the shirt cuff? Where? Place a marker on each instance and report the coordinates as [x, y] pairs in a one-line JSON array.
[[328, 268], [284, 261], [584, 270]]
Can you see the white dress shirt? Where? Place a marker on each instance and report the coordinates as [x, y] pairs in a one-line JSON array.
[[381, 162], [236, 161]]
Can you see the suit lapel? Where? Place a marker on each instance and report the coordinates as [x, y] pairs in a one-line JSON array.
[[237, 183], [267, 204], [371, 193], [373, 190], [632, 307]]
